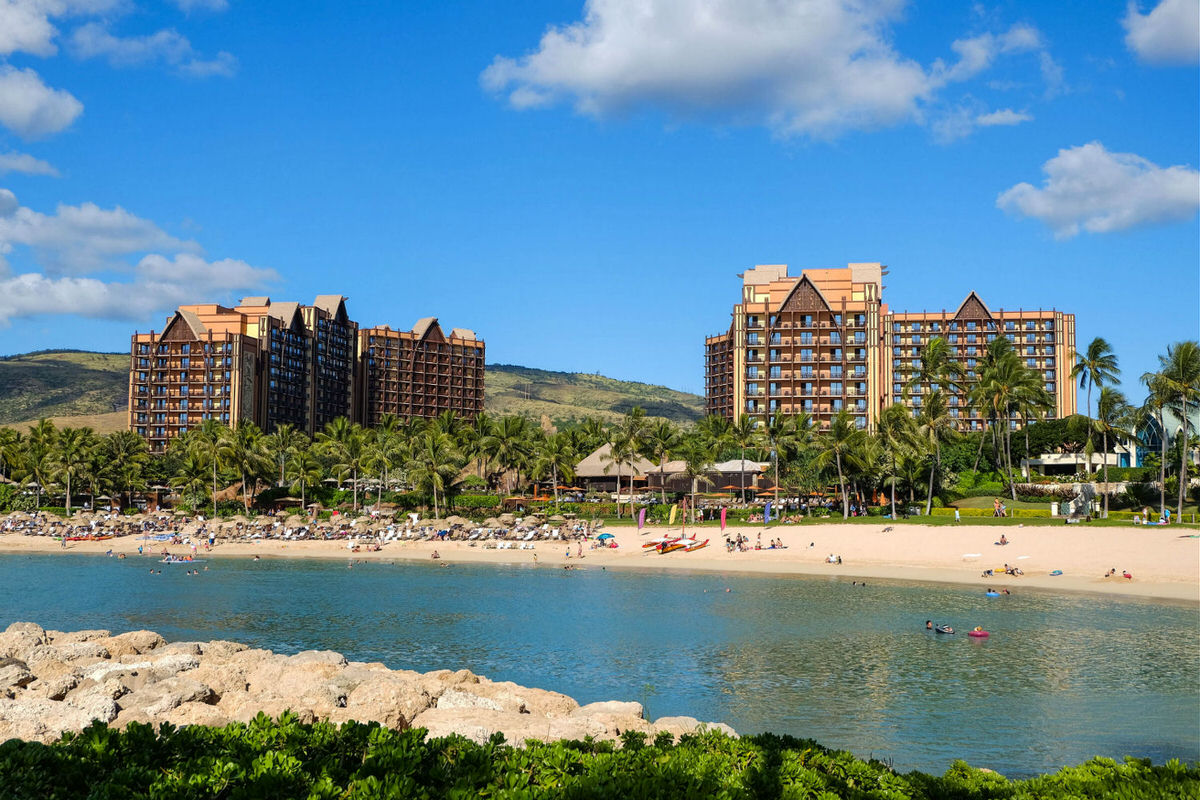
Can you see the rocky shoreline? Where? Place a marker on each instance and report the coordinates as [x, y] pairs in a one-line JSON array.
[[51, 682]]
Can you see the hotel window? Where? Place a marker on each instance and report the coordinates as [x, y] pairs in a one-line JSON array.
[[1029, 337], [896, 351], [859, 370], [970, 326], [1031, 362], [972, 338], [837, 319], [835, 337], [1029, 351], [1048, 338], [1050, 388], [916, 339], [806, 321], [916, 362], [1010, 337], [808, 388], [806, 355], [806, 372], [835, 387], [991, 337], [970, 373], [896, 363], [1010, 326], [860, 337], [806, 338], [953, 326], [954, 413], [952, 338], [916, 326], [836, 354], [808, 406], [752, 338], [776, 372], [1031, 325], [1049, 362], [991, 326], [970, 362], [895, 327], [972, 351], [896, 388], [935, 327], [953, 401], [860, 422], [835, 371], [1048, 375], [837, 404], [860, 319]]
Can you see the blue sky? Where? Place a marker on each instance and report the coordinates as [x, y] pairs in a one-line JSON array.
[[580, 183]]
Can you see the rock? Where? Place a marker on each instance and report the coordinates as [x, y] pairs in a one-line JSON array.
[[220, 648], [133, 643], [156, 669], [54, 679], [617, 707], [79, 636], [14, 673], [30, 628], [18, 644], [39, 719], [184, 648], [453, 698], [319, 657], [478, 725], [511, 697], [196, 714], [392, 703], [96, 700], [89, 652], [159, 697]]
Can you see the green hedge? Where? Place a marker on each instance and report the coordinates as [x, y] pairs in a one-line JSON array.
[[1027, 513], [470, 501], [285, 759]]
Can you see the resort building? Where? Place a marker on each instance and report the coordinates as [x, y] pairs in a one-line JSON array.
[[421, 372], [825, 341]]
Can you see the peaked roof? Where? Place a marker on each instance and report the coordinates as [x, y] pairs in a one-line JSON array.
[[288, 313], [332, 304], [423, 325], [462, 333], [804, 296], [738, 465], [255, 301], [189, 320], [972, 308], [597, 465]]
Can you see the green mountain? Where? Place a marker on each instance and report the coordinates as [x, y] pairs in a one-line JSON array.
[[74, 383]]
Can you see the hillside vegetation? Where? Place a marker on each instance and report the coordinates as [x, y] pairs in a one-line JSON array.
[[62, 383], [71, 384]]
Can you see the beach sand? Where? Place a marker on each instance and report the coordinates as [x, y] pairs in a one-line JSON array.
[[1165, 563]]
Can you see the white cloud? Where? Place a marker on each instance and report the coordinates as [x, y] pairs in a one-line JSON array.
[[94, 40], [32, 109], [25, 163], [81, 239], [811, 68], [188, 6], [25, 25], [1090, 188], [1003, 116], [1169, 34], [101, 285]]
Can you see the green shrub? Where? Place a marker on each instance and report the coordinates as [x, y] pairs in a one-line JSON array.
[[284, 758], [58, 511], [475, 501]]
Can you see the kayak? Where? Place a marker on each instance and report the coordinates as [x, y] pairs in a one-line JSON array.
[[978, 634]]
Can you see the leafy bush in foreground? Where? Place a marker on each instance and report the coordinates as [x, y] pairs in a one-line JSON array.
[[285, 759]]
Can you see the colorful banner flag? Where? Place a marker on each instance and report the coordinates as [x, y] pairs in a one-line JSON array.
[[767, 513], [723, 510], [674, 509], [641, 519]]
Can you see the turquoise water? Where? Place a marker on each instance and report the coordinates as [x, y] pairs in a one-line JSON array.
[[1063, 678]]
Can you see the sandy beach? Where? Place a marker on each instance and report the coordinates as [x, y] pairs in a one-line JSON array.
[[1164, 563]]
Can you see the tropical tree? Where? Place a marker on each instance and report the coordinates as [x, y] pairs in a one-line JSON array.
[[789, 436], [697, 455], [555, 457], [205, 443], [633, 429], [191, 477], [936, 369], [37, 463], [1157, 399], [661, 443], [935, 426], [1095, 366], [11, 444], [243, 450], [280, 444], [434, 463], [620, 450], [508, 444], [1112, 415], [304, 471], [127, 455], [743, 433], [897, 434], [72, 452], [1181, 370], [836, 445]]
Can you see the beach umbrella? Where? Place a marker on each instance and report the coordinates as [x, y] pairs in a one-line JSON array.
[[604, 536]]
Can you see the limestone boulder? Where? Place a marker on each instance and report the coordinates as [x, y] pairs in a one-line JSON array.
[[159, 697], [78, 636], [54, 679], [680, 726], [88, 652], [615, 707], [512, 697], [195, 714], [133, 643], [478, 725], [14, 674], [38, 719], [393, 703]]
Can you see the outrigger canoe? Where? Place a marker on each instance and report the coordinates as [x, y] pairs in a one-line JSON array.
[[696, 546]]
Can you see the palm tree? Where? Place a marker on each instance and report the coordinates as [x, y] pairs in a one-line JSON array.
[[934, 426], [435, 462], [555, 456], [1095, 366], [789, 435], [11, 443], [633, 429], [897, 433], [715, 429], [508, 444], [1112, 414], [1158, 398], [282, 443], [662, 440], [38, 462], [742, 434], [697, 455], [191, 477], [619, 451], [837, 445], [242, 448], [127, 454], [205, 441], [937, 368], [304, 470], [71, 456], [1181, 367]]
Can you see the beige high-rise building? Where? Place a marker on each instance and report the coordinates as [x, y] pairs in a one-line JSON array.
[[825, 341]]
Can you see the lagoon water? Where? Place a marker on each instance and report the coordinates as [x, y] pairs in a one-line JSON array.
[[1062, 678]]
